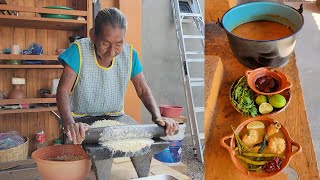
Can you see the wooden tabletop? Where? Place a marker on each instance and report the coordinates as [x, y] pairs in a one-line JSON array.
[[220, 114]]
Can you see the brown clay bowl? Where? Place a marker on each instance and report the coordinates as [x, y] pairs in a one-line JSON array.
[[253, 75], [289, 153], [62, 170], [286, 94]]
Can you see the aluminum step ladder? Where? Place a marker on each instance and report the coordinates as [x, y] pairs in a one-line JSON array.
[[188, 13]]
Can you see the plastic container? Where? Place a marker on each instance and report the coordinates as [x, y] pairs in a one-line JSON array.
[[171, 111], [172, 154]]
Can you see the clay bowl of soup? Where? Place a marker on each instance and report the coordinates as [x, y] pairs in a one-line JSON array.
[[262, 34], [267, 82], [265, 134]]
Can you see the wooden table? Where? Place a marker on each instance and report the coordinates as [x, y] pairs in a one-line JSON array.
[[220, 115]]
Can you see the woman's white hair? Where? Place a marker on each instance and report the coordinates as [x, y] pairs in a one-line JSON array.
[[110, 16]]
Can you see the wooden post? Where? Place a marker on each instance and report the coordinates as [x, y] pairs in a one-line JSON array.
[[133, 13], [89, 17]]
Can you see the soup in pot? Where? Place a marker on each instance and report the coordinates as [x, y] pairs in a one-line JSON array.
[[262, 30]]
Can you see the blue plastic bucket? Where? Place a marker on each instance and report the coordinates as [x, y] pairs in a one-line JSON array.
[[172, 154]]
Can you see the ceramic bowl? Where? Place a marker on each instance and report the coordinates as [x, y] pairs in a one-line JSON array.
[[289, 153], [286, 94], [253, 75]]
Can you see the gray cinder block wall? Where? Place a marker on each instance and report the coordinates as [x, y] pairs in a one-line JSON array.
[[160, 57]]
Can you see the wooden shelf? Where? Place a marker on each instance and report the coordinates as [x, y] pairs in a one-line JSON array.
[[42, 23], [36, 109], [31, 66], [28, 57], [3, 2], [42, 10], [29, 101]]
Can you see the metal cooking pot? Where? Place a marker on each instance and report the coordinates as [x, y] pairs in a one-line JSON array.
[[262, 53]]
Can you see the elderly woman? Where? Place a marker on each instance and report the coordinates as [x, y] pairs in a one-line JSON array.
[[96, 74]]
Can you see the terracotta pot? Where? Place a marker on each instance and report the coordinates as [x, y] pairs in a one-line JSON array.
[[17, 92], [253, 75], [170, 111], [62, 170], [289, 153]]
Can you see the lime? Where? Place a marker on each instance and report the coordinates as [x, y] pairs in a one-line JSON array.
[[261, 99], [265, 108], [255, 125], [277, 101]]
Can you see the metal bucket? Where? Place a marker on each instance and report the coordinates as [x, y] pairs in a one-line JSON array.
[[262, 53]]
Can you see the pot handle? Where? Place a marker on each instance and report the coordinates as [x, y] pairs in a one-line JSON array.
[[219, 23], [248, 72], [300, 10], [288, 84], [222, 142], [297, 151]]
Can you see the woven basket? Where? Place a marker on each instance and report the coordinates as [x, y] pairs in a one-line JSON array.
[[17, 153]]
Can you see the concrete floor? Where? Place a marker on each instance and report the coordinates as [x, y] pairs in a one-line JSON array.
[[307, 52], [195, 169]]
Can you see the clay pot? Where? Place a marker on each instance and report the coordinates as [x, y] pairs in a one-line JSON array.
[[253, 75], [17, 92], [62, 170], [170, 111], [289, 153]]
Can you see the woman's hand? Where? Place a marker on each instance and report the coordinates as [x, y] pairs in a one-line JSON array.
[[76, 132], [170, 124]]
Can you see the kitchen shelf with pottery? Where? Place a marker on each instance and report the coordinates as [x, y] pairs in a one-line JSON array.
[[31, 58], [251, 68], [16, 101], [49, 17]]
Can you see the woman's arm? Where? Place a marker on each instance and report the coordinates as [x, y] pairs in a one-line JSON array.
[[144, 93], [75, 131]]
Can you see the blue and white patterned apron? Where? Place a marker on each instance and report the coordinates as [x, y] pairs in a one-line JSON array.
[[99, 90]]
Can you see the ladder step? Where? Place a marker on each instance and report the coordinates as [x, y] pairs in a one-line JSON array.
[[193, 36], [196, 84], [187, 21], [194, 60], [190, 15], [198, 109], [201, 135], [194, 52], [196, 79]]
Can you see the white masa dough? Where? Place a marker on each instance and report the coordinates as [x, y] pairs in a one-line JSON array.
[[123, 145], [105, 123], [127, 145]]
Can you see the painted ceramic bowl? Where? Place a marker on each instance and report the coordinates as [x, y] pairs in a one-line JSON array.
[[289, 152]]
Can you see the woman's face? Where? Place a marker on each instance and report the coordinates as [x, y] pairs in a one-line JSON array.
[[109, 42]]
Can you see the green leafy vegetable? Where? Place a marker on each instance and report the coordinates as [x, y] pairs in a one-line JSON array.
[[242, 98], [263, 146]]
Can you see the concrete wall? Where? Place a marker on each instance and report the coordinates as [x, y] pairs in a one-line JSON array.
[[160, 57]]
